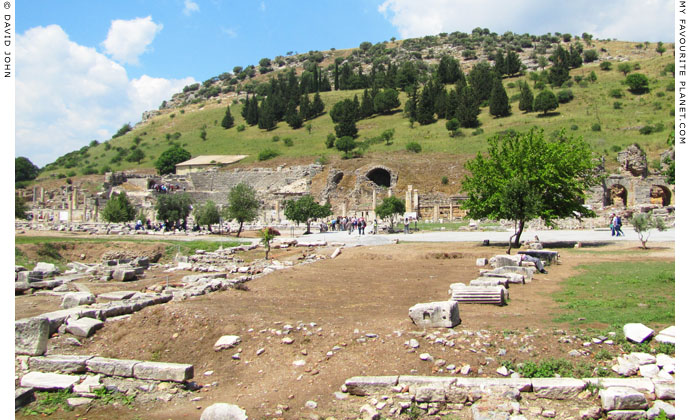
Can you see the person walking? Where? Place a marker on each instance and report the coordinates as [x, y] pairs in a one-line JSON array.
[[407, 225], [612, 224], [376, 226], [617, 223]]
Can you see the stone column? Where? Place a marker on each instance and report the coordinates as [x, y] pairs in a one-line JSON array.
[[373, 203], [69, 210], [436, 213], [390, 192], [450, 216], [343, 213], [408, 199], [33, 198], [277, 206], [415, 201], [42, 197]]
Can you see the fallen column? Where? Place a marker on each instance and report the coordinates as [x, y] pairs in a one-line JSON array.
[[496, 295]]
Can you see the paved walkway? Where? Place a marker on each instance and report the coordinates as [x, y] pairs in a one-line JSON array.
[[599, 235]]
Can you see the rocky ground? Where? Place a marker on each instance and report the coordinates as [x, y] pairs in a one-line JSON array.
[[306, 328]]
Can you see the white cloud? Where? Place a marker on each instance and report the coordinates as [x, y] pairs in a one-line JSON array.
[[629, 20], [229, 32], [128, 39], [262, 6], [190, 7], [68, 94]]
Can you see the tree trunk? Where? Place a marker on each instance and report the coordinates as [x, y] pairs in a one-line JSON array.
[[240, 231], [308, 227], [521, 226]]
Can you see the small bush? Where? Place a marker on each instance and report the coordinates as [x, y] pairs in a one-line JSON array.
[[478, 132], [267, 154], [670, 87], [615, 148], [288, 142], [596, 127], [275, 139], [603, 354], [241, 128], [565, 96], [413, 146], [574, 127], [444, 180], [578, 79], [590, 55], [605, 65], [647, 129], [616, 93], [330, 140], [618, 105]]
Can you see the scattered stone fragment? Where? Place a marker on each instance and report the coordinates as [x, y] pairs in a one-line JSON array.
[[637, 332], [667, 335], [425, 356], [22, 397], [49, 381], [226, 342], [70, 300], [655, 410], [78, 401], [435, 314], [414, 343], [223, 411], [287, 340], [311, 404], [503, 371], [368, 412], [31, 336], [83, 327]]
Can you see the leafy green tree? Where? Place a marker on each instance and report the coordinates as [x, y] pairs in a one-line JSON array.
[[500, 63], [413, 147], [574, 57], [498, 102], [643, 223], [386, 101], [556, 173], [136, 155], [660, 48], [126, 128], [624, 68], [267, 235], [345, 144], [228, 121], [118, 209], [545, 101], [605, 65], [411, 106], [637, 82], [243, 205], [168, 159], [305, 210], [20, 207], [526, 98], [24, 170], [590, 55], [387, 136], [559, 72], [330, 140], [344, 114], [207, 214], [173, 207], [389, 208]]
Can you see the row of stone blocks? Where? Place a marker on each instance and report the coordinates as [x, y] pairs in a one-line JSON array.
[[59, 368], [31, 334], [616, 394]]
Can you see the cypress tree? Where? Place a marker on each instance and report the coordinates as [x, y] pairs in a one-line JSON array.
[[574, 58], [526, 98], [292, 117], [481, 79], [500, 64], [266, 117], [498, 102], [304, 107], [358, 115], [513, 63], [336, 85], [252, 117], [228, 121], [411, 104], [245, 108], [559, 73]]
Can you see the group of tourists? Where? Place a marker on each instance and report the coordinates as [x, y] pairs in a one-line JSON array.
[[350, 224], [615, 225], [166, 188]]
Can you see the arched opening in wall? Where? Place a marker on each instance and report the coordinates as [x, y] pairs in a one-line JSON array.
[[617, 196], [337, 178], [380, 177], [659, 194]]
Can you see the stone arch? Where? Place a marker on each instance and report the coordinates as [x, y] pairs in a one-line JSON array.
[[336, 178], [660, 194], [617, 196], [380, 176]]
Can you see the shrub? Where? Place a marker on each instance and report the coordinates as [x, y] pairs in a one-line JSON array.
[[413, 146], [288, 142], [577, 79], [574, 127], [647, 129], [618, 105], [565, 96], [444, 180], [605, 65], [590, 55], [615, 148], [267, 154], [596, 127], [241, 128], [670, 87], [330, 140], [616, 93], [637, 82], [275, 138]]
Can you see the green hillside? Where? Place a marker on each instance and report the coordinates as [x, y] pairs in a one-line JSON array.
[[590, 114]]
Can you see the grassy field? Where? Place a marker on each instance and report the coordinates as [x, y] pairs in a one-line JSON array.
[[592, 104], [620, 293]]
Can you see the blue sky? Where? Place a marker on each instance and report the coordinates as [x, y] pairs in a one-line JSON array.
[[84, 68]]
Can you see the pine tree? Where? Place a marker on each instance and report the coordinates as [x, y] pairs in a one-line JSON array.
[[574, 58], [425, 107], [336, 84], [228, 121], [245, 108], [559, 73], [252, 117], [468, 110], [500, 64], [526, 98], [266, 117], [481, 79], [366, 110], [317, 106], [357, 110], [513, 63], [411, 104], [305, 107], [292, 117], [498, 102]]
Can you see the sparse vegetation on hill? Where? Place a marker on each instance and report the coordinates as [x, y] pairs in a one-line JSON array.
[[456, 87]]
